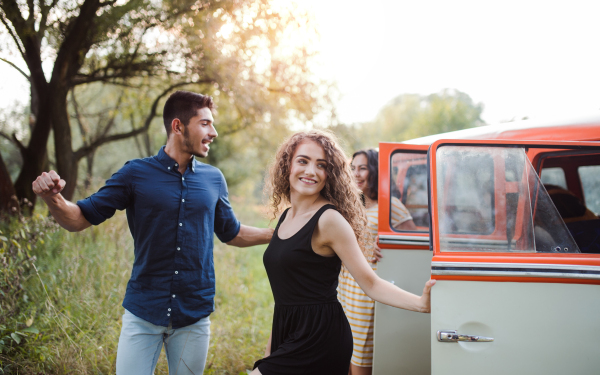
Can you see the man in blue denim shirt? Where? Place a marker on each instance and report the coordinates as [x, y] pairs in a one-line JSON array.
[[174, 204]]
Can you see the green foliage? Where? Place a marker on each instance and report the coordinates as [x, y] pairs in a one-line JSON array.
[[121, 60], [411, 116], [21, 240], [62, 292]]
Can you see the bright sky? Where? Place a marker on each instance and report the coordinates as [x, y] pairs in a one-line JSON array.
[[518, 57]]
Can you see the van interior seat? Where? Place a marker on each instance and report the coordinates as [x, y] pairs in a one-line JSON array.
[[583, 224], [587, 235]]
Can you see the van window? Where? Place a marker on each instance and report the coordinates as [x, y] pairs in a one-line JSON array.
[[590, 181], [467, 192], [554, 176], [490, 199], [409, 192]]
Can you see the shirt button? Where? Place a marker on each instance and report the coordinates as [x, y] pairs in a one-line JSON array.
[[169, 309], [169, 168], [173, 295], [168, 314], [183, 200], [176, 165], [183, 178], [178, 248], [180, 224], [176, 272]]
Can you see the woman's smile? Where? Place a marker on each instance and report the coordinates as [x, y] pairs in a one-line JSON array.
[[308, 180]]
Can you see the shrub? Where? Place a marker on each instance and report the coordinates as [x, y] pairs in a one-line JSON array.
[[61, 294], [21, 241]]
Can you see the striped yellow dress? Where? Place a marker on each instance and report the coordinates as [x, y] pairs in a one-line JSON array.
[[359, 308]]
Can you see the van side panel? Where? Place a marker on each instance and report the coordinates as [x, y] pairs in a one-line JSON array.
[[401, 339]]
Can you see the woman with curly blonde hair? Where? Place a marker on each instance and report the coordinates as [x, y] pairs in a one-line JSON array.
[[324, 227]]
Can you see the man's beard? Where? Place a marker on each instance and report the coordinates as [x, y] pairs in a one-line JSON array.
[[187, 145]]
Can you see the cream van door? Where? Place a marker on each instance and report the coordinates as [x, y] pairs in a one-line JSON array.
[[514, 294], [401, 342]]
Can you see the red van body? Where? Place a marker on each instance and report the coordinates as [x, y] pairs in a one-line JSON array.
[[491, 230]]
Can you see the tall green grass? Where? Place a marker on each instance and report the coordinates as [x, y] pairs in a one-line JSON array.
[[66, 309]]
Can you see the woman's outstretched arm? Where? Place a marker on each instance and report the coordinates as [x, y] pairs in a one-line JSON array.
[[335, 233]]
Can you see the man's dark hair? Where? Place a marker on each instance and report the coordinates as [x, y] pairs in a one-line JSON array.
[[184, 105], [373, 167]]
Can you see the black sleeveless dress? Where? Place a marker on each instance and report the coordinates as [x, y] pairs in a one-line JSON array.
[[310, 333]]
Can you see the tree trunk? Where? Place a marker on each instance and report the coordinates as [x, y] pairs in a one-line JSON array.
[[35, 155], [8, 199], [66, 163]]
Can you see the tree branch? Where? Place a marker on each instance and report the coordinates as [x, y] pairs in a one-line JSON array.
[[122, 67], [78, 116], [243, 125], [13, 139], [108, 3], [44, 11], [124, 84], [76, 43], [3, 134], [137, 141], [22, 148], [31, 16], [16, 67], [12, 34], [111, 121], [85, 150]]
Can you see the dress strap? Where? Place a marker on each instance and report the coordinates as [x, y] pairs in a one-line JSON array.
[[312, 224], [281, 218]]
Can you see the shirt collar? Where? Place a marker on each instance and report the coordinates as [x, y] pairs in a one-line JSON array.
[[171, 164]]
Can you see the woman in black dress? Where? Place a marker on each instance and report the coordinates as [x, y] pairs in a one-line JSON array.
[[324, 227]]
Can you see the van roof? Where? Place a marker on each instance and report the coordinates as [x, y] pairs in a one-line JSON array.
[[582, 128]]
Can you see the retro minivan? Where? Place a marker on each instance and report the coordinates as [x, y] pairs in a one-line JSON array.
[[508, 225]]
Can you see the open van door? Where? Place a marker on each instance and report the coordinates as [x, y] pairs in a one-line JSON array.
[[402, 338], [514, 292]]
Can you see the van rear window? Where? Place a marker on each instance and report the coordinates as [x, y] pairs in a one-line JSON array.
[[590, 181], [554, 176], [409, 191]]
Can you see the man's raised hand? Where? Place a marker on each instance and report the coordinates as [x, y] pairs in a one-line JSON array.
[[48, 184], [67, 214]]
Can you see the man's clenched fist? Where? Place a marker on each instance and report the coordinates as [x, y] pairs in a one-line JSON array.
[[48, 184]]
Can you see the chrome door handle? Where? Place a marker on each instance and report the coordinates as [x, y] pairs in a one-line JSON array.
[[453, 336]]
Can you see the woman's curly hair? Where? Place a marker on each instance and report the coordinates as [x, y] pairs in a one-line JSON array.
[[340, 188]]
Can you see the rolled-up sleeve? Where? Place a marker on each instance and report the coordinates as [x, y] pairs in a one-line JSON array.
[[114, 195], [227, 226]]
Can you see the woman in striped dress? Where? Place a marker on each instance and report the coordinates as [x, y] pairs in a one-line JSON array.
[[359, 308]]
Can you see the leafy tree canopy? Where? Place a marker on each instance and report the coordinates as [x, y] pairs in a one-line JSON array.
[[253, 56], [410, 116]]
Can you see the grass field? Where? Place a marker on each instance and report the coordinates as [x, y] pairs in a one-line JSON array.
[[66, 313]]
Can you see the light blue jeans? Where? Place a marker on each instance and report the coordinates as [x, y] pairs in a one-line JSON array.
[[140, 344]]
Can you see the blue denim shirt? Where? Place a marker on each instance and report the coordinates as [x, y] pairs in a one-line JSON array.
[[172, 219]]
